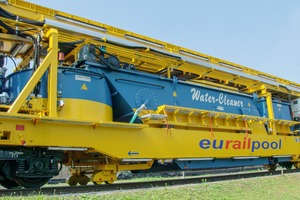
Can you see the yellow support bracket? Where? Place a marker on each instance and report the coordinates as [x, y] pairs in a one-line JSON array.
[[50, 60], [262, 90], [268, 96]]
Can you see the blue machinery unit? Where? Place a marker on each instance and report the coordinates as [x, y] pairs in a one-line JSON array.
[[101, 100]]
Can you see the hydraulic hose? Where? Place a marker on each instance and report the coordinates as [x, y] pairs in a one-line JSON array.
[[72, 43], [138, 48], [8, 15], [136, 113]]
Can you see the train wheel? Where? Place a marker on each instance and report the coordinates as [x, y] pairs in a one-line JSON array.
[[97, 182], [5, 172], [288, 165], [32, 182], [271, 168], [83, 180], [8, 184], [104, 176], [72, 180], [109, 182]]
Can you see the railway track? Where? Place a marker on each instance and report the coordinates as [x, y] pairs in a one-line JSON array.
[[63, 190]]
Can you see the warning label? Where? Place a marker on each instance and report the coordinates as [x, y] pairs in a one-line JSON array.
[[83, 87]]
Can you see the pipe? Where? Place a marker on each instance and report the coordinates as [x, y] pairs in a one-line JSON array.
[[136, 113]]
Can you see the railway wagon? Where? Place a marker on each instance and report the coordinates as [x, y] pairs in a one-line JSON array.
[[100, 100]]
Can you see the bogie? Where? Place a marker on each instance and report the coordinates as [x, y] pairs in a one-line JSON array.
[[31, 168]]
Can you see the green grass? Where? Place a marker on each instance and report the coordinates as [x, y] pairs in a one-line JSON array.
[[270, 188]]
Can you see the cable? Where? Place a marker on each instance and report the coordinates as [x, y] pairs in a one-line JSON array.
[[72, 43], [13, 61], [138, 48], [94, 53], [8, 15]]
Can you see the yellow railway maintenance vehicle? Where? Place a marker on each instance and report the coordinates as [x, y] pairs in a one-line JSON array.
[[101, 100]]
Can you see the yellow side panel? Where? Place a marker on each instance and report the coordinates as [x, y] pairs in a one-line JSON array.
[[123, 141], [85, 110]]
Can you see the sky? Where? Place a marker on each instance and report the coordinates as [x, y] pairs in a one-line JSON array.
[[259, 34]]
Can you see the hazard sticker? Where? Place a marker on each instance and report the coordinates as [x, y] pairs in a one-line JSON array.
[[83, 87]]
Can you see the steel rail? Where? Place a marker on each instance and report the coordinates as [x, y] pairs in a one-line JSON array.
[[64, 190]]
